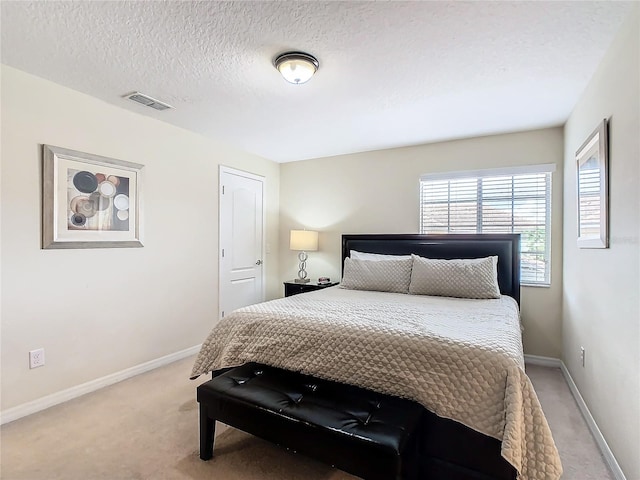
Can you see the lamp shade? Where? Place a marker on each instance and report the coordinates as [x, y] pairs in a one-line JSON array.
[[304, 240]]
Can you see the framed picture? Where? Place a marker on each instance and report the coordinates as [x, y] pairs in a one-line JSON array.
[[592, 161], [90, 201]]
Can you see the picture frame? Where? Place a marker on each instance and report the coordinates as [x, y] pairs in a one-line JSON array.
[[592, 188], [90, 201]]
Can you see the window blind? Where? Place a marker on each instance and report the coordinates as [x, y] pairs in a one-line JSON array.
[[494, 202]]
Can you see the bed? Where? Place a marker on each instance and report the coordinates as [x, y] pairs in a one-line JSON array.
[[484, 420]]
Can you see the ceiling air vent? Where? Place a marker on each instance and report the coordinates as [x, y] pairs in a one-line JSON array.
[[147, 101]]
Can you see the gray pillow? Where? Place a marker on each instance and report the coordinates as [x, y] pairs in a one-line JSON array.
[[462, 278], [387, 276], [354, 254]]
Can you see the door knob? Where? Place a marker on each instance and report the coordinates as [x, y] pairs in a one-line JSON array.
[[259, 262]]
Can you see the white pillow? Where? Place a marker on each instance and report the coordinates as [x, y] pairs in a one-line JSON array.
[[354, 254], [462, 278], [387, 276]]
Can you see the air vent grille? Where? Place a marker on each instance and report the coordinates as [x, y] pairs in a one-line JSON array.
[[148, 101]]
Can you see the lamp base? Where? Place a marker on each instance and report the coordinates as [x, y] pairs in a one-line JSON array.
[[302, 273]]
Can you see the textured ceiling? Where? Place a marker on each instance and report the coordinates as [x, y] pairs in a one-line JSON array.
[[391, 73]]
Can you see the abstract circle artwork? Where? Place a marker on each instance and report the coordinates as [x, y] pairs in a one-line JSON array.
[[97, 201]]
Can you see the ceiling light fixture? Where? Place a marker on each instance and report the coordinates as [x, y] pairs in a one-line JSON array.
[[296, 67]]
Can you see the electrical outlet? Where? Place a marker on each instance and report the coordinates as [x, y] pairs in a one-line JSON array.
[[582, 356], [36, 358]]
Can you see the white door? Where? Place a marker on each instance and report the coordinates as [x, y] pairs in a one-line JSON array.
[[241, 239]]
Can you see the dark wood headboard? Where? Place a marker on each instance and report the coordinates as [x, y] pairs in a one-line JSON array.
[[505, 246]]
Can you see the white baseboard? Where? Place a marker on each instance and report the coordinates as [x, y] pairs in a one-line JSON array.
[[542, 361], [617, 472], [34, 406]]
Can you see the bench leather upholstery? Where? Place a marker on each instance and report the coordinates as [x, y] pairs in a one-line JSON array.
[[365, 433]]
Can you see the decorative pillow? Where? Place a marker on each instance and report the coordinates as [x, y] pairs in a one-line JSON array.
[[462, 278], [354, 254], [387, 276]]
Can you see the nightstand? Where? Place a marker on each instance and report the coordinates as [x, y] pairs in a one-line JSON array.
[[292, 288]]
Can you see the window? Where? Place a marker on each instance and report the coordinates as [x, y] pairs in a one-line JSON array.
[[516, 200]]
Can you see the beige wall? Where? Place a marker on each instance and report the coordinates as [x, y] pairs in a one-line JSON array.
[[377, 192], [99, 311], [601, 308]]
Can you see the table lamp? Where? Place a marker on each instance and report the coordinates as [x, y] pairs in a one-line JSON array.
[[304, 241]]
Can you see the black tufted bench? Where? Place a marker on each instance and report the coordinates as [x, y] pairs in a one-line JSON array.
[[368, 434]]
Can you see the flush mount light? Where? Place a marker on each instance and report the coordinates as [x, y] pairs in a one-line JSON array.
[[296, 67]]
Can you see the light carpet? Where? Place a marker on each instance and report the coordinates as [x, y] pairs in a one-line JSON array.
[[147, 428]]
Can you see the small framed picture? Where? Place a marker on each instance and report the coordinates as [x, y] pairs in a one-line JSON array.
[[592, 161], [90, 201]]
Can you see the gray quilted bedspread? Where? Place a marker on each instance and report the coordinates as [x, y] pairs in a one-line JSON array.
[[460, 358]]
